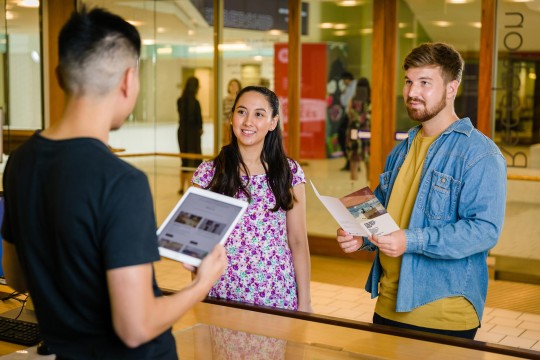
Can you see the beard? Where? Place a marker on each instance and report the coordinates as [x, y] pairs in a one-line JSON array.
[[427, 113]]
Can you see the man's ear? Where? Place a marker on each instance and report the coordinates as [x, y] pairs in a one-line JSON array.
[[452, 89], [127, 83], [59, 78]]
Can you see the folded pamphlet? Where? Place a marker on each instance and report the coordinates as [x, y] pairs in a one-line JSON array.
[[359, 213]]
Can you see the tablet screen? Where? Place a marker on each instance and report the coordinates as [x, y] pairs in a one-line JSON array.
[[200, 220]]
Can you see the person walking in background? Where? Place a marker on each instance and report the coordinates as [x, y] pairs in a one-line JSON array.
[[446, 188], [358, 111], [233, 87], [190, 128], [268, 250], [348, 91], [79, 226]]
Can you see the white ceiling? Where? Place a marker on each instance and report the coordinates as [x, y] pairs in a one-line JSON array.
[[180, 23]]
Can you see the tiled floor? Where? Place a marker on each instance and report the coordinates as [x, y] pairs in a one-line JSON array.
[[515, 318]]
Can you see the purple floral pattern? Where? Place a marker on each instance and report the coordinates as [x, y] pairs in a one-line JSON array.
[[260, 269]]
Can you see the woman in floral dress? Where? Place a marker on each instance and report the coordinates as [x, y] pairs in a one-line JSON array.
[[268, 252]]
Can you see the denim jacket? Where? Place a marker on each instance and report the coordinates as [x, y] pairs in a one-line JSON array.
[[457, 217]]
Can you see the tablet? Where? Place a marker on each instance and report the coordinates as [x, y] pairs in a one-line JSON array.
[[199, 221]]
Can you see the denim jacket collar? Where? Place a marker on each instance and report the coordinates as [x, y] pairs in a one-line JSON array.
[[463, 126]]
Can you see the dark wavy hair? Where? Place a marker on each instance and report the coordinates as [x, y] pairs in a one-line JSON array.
[[227, 179]]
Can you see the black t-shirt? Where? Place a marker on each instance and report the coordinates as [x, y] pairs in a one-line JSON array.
[[74, 210]]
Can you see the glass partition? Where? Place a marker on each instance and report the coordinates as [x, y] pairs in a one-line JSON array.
[[516, 114], [453, 22], [21, 89], [178, 43]]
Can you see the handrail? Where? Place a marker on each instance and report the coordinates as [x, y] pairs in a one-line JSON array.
[[205, 157], [178, 155], [522, 177]]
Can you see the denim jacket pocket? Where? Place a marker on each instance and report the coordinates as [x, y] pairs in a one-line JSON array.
[[442, 197], [384, 182]]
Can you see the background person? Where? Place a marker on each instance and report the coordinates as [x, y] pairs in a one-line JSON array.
[[233, 87], [190, 127], [268, 250], [79, 227], [358, 111], [345, 97], [446, 188]]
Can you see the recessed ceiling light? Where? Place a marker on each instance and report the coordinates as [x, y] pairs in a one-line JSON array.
[[442, 23], [275, 32], [28, 3], [165, 50], [350, 3], [135, 22]]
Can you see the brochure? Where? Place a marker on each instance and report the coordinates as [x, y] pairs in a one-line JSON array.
[[359, 213]]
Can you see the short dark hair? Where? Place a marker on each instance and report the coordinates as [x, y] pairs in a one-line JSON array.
[[437, 54], [347, 76], [94, 49]]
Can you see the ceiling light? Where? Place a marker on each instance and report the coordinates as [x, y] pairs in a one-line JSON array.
[[275, 32], [409, 35], [148, 41], [442, 23], [340, 26], [165, 50], [234, 46], [348, 3], [326, 25], [28, 3], [458, 1], [35, 56], [476, 24], [340, 33], [257, 58], [366, 31], [135, 22], [161, 30]]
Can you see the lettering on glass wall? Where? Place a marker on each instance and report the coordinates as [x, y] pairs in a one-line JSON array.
[[509, 107]]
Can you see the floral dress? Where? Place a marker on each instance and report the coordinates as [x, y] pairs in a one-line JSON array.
[[260, 269]]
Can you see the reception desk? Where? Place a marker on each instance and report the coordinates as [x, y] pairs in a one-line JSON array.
[[213, 330]]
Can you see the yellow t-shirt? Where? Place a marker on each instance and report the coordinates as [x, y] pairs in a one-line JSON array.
[[453, 313]]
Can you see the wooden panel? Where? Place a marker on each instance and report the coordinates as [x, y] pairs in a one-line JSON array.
[[323, 245], [383, 97], [56, 13], [12, 139], [294, 72], [485, 76]]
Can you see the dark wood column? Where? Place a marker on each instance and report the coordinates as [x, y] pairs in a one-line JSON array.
[[54, 14], [383, 80], [486, 63], [294, 73]]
